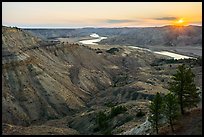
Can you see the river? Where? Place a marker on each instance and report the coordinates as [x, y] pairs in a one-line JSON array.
[[166, 53], [93, 41]]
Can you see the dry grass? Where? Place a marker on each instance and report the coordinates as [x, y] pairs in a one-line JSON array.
[[189, 124]]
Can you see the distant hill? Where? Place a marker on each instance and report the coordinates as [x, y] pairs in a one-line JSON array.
[[166, 36], [50, 33]]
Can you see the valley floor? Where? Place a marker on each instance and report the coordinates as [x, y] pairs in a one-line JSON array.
[[185, 50]]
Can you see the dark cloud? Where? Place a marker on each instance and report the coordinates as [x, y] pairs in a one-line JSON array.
[[166, 18], [119, 21]]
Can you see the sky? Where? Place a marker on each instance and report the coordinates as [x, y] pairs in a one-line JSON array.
[[100, 14]]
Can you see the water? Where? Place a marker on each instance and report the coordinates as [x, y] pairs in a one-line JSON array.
[[173, 55], [93, 41], [166, 53], [94, 35]]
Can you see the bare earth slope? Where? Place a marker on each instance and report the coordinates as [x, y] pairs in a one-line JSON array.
[[35, 83], [58, 88], [39, 80]]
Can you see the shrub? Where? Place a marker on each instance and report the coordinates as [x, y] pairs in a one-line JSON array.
[[99, 52], [112, 50], [140, 114], [110, 104], [117, 110], [103, 120], [128, 118]]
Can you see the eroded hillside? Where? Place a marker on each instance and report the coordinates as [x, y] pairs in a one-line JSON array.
[[62, 86]]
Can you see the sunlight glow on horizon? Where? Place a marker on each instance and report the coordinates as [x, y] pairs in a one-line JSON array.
[[100, 14]]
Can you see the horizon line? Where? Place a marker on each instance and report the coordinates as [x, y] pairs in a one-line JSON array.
[[100, 27]]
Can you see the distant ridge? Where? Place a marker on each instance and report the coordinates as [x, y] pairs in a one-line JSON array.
[[102, 27], [168, 35]]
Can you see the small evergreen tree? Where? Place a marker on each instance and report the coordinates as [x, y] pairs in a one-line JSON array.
[[156, 112], [184, 88], [170, 108], [102, 120]]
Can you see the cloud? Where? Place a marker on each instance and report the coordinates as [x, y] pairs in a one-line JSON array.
[[166, 18], [112, 21]]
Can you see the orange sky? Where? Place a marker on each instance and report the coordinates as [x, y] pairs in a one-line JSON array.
[[97, 14]]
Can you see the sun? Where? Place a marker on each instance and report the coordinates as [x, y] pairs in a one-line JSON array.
[[180, 22]]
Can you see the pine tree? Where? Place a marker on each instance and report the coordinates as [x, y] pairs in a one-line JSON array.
[[184, 88], [170, 108], [102, 120], [156, 112]]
